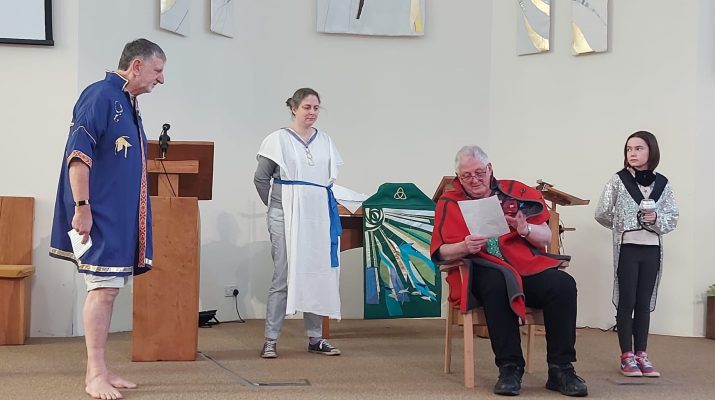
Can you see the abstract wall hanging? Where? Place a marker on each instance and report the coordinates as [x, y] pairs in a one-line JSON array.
[[175, 16], [372, 17], [222, 17], [533, 27], [589, 26]]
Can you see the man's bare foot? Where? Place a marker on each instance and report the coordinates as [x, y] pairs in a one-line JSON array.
[[119, 382], [100, 388]]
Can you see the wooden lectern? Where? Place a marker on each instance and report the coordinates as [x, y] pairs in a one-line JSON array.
[[166, 299], [557, 197]]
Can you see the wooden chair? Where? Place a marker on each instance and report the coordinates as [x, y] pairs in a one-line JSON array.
[[474, 318]]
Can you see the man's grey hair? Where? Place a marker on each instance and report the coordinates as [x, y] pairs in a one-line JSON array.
[[470, 152], [142, 49]]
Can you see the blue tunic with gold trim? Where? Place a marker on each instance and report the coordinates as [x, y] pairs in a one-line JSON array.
[[106, 133]]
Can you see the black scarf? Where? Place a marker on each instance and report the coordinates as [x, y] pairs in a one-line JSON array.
[[645, 177]]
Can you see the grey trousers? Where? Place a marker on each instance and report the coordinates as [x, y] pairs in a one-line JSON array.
[[278, 292]]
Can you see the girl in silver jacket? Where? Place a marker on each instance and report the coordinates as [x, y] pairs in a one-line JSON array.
[[638, 205]]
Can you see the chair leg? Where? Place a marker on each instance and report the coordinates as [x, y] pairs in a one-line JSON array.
[[448, 340], [530, 339], [469, 349]]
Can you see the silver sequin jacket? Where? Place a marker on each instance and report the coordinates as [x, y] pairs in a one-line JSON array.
[[618, 211]]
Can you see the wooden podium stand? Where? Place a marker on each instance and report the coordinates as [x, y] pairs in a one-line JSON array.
[[557, 197], [166, 299]]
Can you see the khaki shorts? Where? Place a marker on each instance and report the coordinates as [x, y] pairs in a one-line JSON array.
[[98, 282]]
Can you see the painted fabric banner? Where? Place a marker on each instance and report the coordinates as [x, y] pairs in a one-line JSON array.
[[400, 279]]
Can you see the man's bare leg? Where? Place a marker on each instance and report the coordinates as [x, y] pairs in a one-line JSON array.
[[97, 316]]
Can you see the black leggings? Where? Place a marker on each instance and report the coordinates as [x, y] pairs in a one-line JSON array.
[[638, 267]]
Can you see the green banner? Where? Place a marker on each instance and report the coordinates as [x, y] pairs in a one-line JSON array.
[[400, 279]]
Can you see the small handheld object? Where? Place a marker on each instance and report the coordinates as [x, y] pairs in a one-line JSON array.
[[646, 206]]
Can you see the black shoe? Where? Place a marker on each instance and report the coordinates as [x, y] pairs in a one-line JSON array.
[[563, 379], [509, 382]]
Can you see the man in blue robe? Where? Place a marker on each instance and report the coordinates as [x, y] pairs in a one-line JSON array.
[[102, 195]]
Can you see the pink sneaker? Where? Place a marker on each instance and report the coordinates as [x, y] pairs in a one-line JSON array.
[[629, 367], [646, 367]]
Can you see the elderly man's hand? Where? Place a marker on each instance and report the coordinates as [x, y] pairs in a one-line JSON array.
[[518, 222], [474, 243]]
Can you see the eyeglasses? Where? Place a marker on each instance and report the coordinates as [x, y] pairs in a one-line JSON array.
[[478, 174]]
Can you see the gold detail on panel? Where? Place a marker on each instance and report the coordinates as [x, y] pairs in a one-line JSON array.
[[416, 16], [166, 5], [580, 44], [537, 40], [543, 6]]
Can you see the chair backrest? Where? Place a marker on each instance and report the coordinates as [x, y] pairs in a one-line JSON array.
[[16, 220]]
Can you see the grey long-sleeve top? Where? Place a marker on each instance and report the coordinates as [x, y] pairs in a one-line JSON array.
[[266, 170]]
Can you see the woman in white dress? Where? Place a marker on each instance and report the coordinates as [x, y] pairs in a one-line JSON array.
[[297, 166]]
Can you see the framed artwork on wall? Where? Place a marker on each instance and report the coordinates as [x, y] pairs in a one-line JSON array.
[[372, 17], [26, 22]]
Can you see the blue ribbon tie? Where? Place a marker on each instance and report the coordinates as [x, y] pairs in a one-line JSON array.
[[336, 229]]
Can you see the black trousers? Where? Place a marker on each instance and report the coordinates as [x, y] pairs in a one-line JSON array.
[[638, 267], [553, 291]]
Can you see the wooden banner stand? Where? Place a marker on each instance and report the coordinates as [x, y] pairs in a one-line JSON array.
[[166, 299]]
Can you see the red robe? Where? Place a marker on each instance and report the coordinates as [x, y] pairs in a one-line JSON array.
[[522, 258]]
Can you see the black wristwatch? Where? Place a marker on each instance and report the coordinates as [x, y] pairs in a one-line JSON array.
[[81, 203]]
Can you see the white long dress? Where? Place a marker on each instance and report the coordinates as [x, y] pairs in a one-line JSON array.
[[313, 285]]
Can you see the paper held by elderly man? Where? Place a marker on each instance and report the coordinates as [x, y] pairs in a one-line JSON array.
[[484, 217]]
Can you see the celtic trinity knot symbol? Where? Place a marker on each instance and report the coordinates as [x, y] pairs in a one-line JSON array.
[[122, 144], [400, 194]]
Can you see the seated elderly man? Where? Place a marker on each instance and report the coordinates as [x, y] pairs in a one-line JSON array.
[[510, 272]]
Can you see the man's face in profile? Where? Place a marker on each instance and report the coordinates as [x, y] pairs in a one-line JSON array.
[[475, 177]]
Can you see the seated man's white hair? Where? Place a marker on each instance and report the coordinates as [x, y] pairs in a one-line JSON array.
[[470, 152]]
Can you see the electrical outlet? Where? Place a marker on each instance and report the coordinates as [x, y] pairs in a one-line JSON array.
[[228, 290]]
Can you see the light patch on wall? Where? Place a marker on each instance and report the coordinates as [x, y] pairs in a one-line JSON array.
[[372, 17], [222, 17], [589, 26], [175, 16], [533, 26]]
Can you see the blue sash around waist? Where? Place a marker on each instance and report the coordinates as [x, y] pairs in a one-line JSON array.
[[336, 228]]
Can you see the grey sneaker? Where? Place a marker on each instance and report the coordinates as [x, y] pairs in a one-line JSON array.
[[324, 348], [269, 349]]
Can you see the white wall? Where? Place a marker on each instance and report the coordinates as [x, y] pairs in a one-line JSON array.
[[398, 109], [565, 119], [39, 84]]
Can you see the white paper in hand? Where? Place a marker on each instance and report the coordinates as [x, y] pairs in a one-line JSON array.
[[77, 247], [484, 217]]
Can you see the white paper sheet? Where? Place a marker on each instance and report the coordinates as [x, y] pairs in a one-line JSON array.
[[484, 217], [350, 199], [77, 247]]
